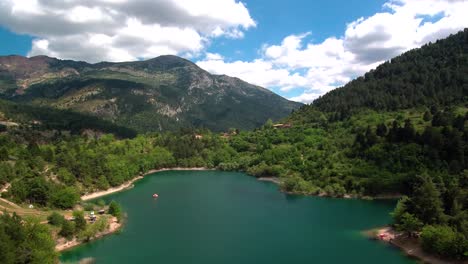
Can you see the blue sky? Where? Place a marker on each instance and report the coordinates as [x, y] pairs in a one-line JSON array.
[[275, 22], [14, 44], [299, 49]]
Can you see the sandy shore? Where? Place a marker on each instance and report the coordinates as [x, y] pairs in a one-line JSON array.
[[410, 246], [129, 184], [63, 244], [270, 179]]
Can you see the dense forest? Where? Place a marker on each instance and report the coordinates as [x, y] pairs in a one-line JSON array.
[[400, 131], [24, 242], [46, 119], [434, 74]]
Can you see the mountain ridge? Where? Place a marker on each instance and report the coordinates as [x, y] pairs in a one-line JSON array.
[[162, 93]]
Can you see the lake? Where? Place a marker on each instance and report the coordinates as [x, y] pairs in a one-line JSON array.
[[224, 217]]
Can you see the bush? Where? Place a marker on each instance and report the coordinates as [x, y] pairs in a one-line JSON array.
[[55, 219]]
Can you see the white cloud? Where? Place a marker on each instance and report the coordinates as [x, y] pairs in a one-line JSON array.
[[116, 30], [214, 56], [259, 72], [320, 67], [306, 97]]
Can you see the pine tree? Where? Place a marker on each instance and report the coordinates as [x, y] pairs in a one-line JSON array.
[[427, 202]]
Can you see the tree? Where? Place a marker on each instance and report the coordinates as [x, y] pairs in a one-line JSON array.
[[25, 241], [80, 221], [39, 247], [444, 241], [115, 210], [68, 230], [65, 198], [427, 116], [66, 176], [407, 132], [409, 224], [427, 203], [4, 154], [371, 138], [381, 130], [268, 124], [55, 219], [7, 247], [400, 209]]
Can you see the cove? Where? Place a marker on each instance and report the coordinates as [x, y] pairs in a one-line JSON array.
[[225, 217]]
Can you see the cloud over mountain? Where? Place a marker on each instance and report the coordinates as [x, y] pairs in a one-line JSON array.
[[117, 30]]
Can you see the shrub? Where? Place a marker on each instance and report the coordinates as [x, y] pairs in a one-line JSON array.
[[55, 219]]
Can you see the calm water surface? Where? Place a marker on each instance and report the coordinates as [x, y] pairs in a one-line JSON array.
[[223, 217]]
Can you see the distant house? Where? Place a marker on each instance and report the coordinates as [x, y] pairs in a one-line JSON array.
[[198, 136], [287, 125]]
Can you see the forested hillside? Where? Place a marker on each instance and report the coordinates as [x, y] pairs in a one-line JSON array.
[[435, 74], [39, 118]]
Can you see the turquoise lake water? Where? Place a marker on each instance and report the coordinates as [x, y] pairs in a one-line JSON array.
[[225, 217]]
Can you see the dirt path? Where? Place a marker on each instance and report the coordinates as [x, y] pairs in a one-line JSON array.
[[13, 205]]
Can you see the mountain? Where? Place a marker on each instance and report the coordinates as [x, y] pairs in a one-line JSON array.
[[435, 74], [164, 93]]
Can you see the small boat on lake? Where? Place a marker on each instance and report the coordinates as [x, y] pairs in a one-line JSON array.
[[155, 195]]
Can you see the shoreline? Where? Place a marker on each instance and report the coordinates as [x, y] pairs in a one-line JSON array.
[[64, 244], [274, 180], [409, 246], [129, 184]]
